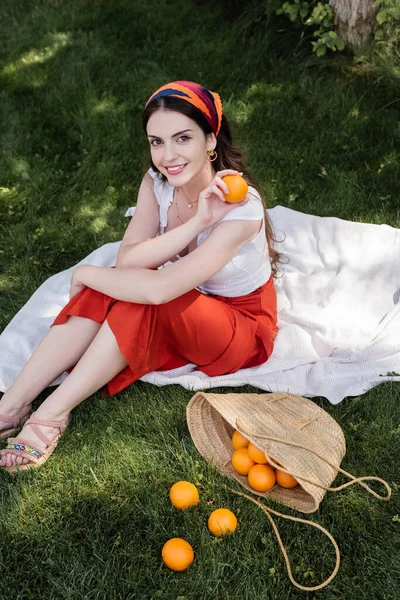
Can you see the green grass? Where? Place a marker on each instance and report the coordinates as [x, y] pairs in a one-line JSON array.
[[321, 137]]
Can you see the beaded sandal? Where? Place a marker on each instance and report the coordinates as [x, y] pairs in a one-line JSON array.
[[36, 457], [16, 421]]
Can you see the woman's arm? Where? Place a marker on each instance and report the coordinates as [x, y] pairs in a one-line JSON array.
[[140, 247], [145, 221], [147, 286], [137, 250], [131, 285], [157, 251]]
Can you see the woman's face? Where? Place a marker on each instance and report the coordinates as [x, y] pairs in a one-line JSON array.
[[178, 146]]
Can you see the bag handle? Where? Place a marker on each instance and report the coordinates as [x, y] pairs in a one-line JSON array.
[[268, 510], [245, 431]]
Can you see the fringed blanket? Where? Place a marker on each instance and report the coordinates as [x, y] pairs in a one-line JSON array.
[[338, 303]]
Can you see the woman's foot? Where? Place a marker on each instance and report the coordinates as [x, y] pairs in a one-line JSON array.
[[34, 444], [12, 416]]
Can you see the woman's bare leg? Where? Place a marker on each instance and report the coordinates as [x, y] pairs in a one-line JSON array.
[[98, 365], [58, 351]]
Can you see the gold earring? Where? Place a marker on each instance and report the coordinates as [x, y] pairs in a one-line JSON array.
[[212, 155]]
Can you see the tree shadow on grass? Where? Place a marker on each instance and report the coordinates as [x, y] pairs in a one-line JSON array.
[[91, 523], [84, 154]]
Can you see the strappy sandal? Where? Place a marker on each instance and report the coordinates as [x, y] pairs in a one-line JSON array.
[[36, 457], [16, 421]]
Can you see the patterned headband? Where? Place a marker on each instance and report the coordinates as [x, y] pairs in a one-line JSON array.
[[207, 102]]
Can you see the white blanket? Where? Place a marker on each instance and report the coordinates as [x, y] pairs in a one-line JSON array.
[[338, 303]]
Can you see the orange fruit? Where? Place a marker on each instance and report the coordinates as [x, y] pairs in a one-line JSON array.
[[222, 521], [261, 478], [241, 461], [183, 494], [285, 479], [256, 454], [239, 441], [238, 188], [177, 554]]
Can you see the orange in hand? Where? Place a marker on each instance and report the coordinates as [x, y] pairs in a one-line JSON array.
[[222, 521], [285, 479], [238, 188], [177, 554], [241, 461], [261, 478], [183, 494], [239, 441]]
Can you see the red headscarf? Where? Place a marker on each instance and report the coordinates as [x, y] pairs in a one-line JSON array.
[[209, 103]]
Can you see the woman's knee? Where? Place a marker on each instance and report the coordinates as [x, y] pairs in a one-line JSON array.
[[83, 321], [79, 324]]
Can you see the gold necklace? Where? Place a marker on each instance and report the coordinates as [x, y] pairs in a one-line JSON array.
[[190, 202], [176, 204]]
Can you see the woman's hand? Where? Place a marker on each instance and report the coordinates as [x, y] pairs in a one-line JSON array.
[[76, 285], [212, 204]]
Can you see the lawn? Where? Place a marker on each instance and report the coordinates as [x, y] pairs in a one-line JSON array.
[[320, 136]]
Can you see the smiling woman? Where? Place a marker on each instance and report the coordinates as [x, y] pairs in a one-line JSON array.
[[193, 281]]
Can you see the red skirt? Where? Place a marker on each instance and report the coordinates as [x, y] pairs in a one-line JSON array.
[[220, 335]]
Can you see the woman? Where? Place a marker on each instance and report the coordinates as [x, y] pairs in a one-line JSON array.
[[212, 304]]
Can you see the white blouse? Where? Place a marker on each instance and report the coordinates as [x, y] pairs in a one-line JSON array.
[[250, 267]]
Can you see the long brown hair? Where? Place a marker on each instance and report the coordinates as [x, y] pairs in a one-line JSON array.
[[229, 156]]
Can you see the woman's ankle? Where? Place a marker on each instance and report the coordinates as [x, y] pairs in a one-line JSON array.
[[50, 413], [10, 405]]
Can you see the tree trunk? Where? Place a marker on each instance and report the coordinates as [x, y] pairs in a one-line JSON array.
[[355, 20]]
